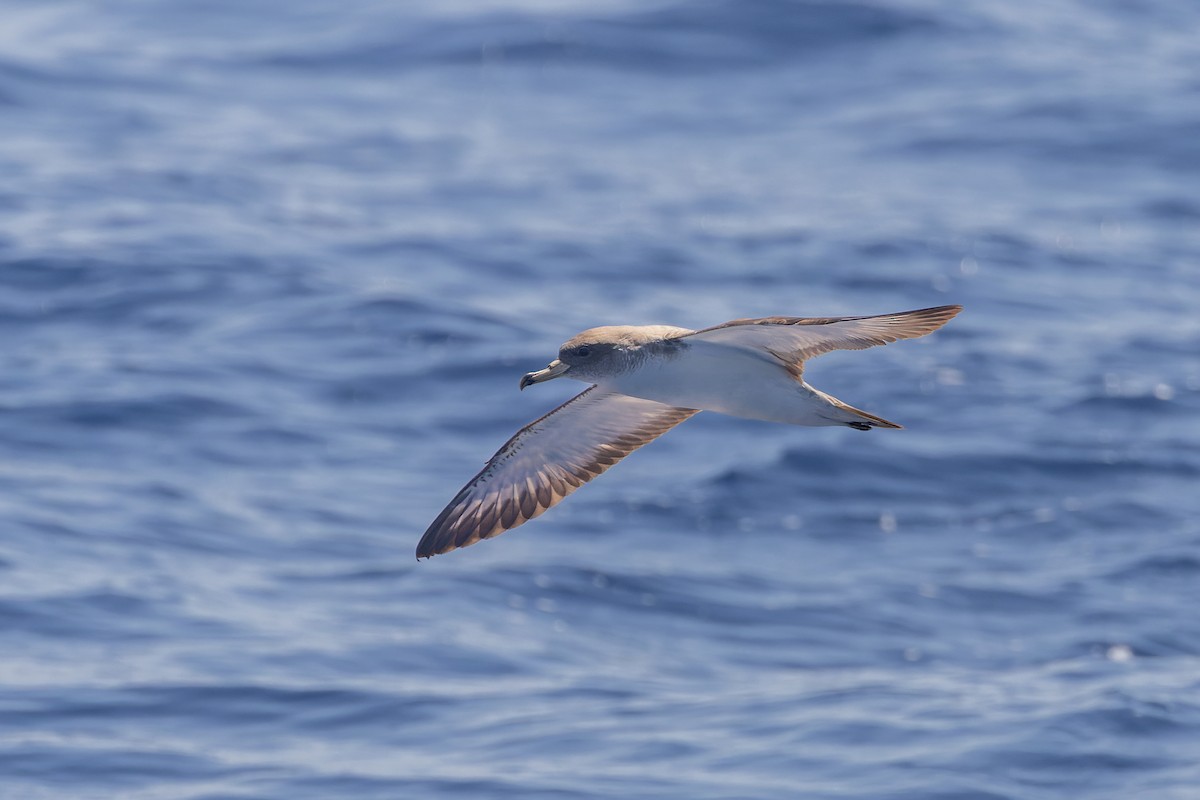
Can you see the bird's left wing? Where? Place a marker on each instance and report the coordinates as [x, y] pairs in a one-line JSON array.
[[546, 461], [792, 340]]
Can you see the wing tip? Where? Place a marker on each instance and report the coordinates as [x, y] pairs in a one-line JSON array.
[[948, 311], [944, 313], [427, 548], [444, 534], [919, 322]]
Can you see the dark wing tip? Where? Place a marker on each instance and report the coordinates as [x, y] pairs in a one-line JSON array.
[[948, 312], [428, 548], [445, 533], [930, 319], [939, 314], [443, 540], [431, 544]]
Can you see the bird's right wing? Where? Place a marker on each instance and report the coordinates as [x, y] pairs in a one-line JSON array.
[[546, 461]]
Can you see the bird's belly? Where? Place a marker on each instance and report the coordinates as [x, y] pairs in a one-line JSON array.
[[747, 387]]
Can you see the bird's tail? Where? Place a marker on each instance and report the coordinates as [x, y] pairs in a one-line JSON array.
[[846, 414]]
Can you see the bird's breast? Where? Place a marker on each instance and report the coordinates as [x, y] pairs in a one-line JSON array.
[[722, 379]]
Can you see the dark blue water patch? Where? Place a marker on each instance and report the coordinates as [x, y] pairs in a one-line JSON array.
[[15, 72], [304, 709], [166, 297], [415, 244], [101, 616], [1007, 248], [373, 327], [408, 314], [275, 438], [439, 664], [7, 98], [682, 39], [345, 783], [162, 414], [459, 261], [1167, 641], [1122, 713], [964, 792], [1106, 406], [41, 274], [226, 705], [116, 768], [386, 388], [1047, 766], [972, 478], [176, 187], [1067, 148], [353, 578], [1175, 343], [1174, 209], [49, 530], [179, 530], [786, 241], [911, 285], [1181, 566], [1010, 602], [731, 601]]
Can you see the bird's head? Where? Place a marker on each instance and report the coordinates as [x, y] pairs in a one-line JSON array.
[[590, 356]]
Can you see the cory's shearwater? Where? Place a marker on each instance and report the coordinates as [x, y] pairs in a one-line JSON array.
[[646, 380]]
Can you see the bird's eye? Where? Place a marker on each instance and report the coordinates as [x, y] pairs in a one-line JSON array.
[[583, 352]]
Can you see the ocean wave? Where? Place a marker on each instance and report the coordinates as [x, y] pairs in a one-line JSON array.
[[672, 38]]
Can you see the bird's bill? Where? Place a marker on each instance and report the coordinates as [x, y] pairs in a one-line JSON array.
[[554, 370]]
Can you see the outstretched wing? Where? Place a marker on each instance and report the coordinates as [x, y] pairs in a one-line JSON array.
[[546, 461], [793, 340]]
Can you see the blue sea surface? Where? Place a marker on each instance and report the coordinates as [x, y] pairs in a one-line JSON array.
[[270, 273]]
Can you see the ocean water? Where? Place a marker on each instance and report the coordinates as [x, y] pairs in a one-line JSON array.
[[270, 273]]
